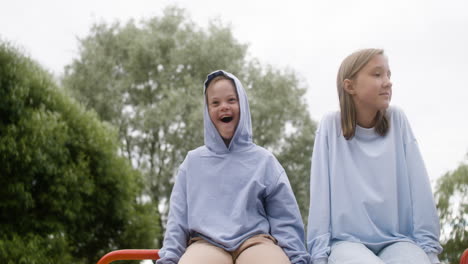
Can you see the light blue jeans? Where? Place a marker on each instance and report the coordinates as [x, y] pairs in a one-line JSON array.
[[397, 253]]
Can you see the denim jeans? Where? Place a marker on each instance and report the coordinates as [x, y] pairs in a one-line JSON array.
[[397, 253]]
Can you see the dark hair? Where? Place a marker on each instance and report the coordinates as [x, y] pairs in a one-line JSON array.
[[211, 81]]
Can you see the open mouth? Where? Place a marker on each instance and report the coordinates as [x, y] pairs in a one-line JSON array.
[[226, 119]]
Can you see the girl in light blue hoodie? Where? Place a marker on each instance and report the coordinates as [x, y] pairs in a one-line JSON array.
[[370, 196], [232, 201]]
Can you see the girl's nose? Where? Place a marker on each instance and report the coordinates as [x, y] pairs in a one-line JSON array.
[[388, 83], [224, 106]]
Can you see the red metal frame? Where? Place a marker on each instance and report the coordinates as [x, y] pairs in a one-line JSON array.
[[464, 257], [129, 254], [142, 254]]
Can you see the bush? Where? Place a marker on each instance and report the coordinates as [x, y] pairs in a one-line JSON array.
[[65, 191]]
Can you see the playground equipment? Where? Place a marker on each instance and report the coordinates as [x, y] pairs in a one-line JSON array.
[[464, 257], [153, 254], [129, 254]]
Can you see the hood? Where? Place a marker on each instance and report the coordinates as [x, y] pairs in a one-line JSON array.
[[242, 138]]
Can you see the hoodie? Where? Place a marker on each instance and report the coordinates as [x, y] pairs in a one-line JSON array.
[[227, 194]]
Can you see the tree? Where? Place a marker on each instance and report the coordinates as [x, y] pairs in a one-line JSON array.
[[282, 124], [147, 78], [66, 195], [452, 203]]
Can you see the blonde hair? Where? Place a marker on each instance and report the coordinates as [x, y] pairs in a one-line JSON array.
[[349, 69]]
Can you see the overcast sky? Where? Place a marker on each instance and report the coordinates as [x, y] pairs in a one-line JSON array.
[[426, 42]]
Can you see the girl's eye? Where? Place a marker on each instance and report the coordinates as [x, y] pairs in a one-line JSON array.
[[214, 103], [232, 100], [377, 74]]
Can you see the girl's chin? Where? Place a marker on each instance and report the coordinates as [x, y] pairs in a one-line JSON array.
[[226, 138], [385, 106]]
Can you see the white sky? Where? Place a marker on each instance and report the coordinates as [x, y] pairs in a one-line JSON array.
[[426, 42]]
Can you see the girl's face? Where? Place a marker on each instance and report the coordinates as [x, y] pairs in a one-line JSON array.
[[372, 89], [223, 107]]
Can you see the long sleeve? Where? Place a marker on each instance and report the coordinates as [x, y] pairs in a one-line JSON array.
[[318, 235], [285, 220], [176, 236], [426, 226]]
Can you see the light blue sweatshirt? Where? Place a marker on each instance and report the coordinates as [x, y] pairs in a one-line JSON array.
[[371, 189], [229, 194]]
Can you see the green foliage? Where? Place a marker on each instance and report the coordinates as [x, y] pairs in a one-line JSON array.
[[295, 158], [147, 80], [66, 194], [33, 249], [452, 203], [282, 124]]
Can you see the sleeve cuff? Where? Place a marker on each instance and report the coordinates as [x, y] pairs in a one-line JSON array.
[[320, 261], [433, 258]]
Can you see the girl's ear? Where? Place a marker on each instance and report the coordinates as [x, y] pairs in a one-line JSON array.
[[348, 86]]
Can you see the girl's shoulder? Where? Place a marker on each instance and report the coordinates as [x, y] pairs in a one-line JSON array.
[[394, 110], [330, 123], [193, 156], [331, 116], [400, 124], [397, 115]]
